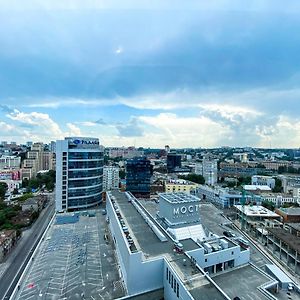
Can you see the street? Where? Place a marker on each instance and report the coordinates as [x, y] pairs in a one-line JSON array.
[[23, 252]]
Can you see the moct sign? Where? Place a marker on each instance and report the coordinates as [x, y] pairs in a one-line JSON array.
[[86, 142], [185, 209]]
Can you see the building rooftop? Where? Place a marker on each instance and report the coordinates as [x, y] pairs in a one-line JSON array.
[[144, 237], [256, 211], [295, 226], [72, 262], [147, 242], [181, 182], [252, 187], [178, 197], [288, 238], [292, 211], [243, 282]]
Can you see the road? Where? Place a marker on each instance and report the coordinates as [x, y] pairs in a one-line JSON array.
[[22, 254]]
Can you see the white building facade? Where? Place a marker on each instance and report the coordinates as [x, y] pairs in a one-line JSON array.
[[79, 173], [208, 169], [111, 178], [263, 180]]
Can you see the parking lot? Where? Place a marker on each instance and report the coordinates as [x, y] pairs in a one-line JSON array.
[[74, 262]]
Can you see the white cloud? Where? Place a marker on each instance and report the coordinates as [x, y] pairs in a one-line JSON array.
[[38, 122], [185, 131], [235, 114], [73, 130]]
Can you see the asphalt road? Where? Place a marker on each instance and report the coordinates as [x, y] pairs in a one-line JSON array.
[[14, 271]]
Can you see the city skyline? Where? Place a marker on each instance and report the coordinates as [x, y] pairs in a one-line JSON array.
[[187, 75]]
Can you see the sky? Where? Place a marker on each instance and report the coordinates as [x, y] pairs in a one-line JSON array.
[[151, 73]]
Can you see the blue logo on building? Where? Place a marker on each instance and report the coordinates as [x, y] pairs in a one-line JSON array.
[[77, 142], [85, 142]]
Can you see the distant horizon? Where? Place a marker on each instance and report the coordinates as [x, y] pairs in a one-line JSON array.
[[163, 147]]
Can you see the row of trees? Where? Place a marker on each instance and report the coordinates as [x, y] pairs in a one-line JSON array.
[[42, 180]]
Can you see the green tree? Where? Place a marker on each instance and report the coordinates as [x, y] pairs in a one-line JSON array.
[[278, 186], [193, 177], [122, 174], [3, 189], [268, 204]]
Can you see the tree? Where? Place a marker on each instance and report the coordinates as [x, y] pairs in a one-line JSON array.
[[3, 189], [193, 177], [278, 186], [268, 204]]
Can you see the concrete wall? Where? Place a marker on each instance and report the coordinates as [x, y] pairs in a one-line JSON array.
[[140, 275], [61, 146], [225, 255], [169, 293]]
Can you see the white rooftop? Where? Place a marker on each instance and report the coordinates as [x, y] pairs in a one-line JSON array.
[[256, 211], [195, 232], [251, 187]]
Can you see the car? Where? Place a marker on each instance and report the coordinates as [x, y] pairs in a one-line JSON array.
[[104, 212], [228, 233]]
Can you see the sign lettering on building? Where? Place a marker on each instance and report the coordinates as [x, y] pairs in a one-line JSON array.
[[185, 209]]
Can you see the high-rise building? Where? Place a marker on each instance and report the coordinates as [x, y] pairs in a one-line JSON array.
[[173, 161], [138, 176], [79, 173], [111, 178], [210, 170]]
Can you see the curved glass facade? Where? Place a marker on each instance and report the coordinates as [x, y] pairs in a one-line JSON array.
[[81, 167]]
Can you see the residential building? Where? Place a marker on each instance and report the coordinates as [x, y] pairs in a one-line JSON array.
[[79, 173], [37, 159], [180, 185], [111, 180], [10, 162], [289, 182], [278, 199], [138, 175], [125, 153], [263, 180], [210, 170]]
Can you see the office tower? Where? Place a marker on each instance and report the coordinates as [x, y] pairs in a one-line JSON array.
[[138, 175], [79, 173], [173, 161]]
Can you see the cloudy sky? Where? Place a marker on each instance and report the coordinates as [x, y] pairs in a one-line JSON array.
[[131, 73]]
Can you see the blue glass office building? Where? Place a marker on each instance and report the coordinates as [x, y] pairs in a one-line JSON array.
[[138, 176], [79, 173]]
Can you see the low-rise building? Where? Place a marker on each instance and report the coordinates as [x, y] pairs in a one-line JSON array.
[[180, 185], [253, 215], [263, 181], [289, 215], [31, 204], [223, 197], [278, 199], [284, 244]]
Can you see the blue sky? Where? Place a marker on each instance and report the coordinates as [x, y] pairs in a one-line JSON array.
[[131, 73]]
